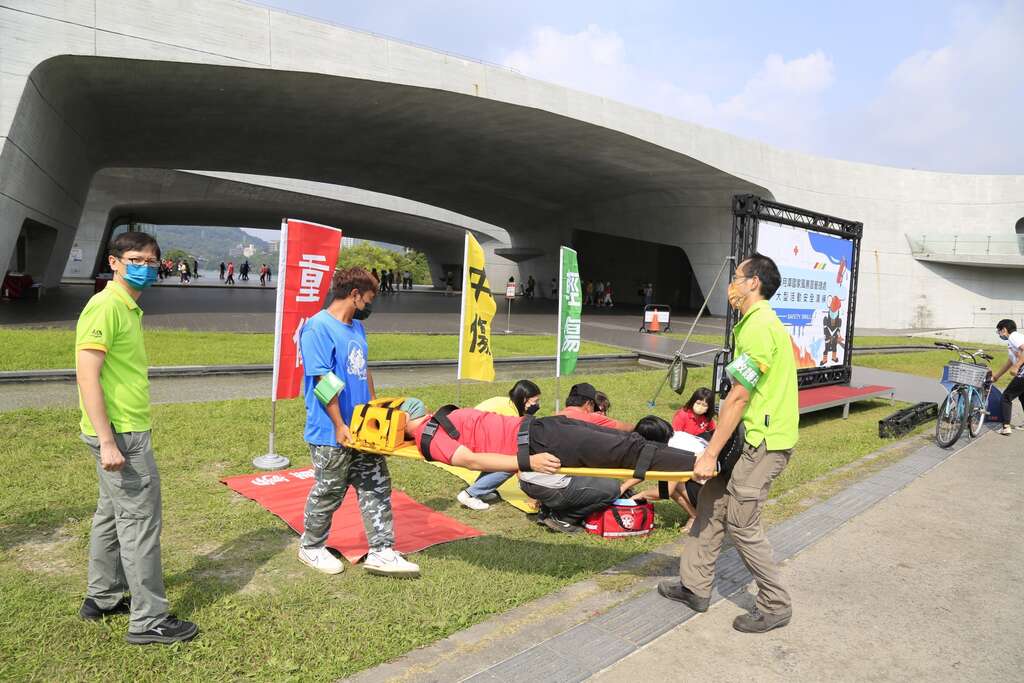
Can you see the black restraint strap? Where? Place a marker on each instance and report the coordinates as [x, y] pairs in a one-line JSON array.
[[643, 463], [439, 418], [663, 493], [523, 444]]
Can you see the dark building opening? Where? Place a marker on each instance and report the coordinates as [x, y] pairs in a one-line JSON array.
[[630, 263]]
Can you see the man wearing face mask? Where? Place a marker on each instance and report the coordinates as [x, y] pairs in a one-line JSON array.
[[337, 378], [1007, 331], [113, 388], [764, 398]]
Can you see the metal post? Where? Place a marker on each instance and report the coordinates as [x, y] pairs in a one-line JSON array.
[[271, 460], [508, 320], [678, 358]]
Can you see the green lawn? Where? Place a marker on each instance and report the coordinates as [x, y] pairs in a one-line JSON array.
[[231, 566], [51, 348]]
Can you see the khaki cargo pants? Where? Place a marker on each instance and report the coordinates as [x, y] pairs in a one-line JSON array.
[[124, 545], [736, 507]]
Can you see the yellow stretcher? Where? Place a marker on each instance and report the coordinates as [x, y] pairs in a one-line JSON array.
[[378, 428]]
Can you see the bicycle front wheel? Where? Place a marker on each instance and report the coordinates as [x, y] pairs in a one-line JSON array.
[[979, 407], [950, 423]]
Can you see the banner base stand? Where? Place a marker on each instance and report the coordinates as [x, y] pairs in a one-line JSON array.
[[271, 461]]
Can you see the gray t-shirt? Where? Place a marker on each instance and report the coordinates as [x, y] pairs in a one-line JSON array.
[[549, 481]]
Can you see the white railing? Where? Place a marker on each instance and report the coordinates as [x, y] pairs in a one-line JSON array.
[[966, 244]]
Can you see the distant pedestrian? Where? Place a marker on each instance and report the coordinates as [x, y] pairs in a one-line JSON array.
[[195, 268], [588, 293], [268, 273], [449, 284], [531, 285], [182, 272], [263, 275], [231, 273], [607, 301], [223, 267], [554, 288], [244, 270]]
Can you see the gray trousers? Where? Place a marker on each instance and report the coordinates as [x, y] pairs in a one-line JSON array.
[[336, 468], [124, 546], [736, 507]]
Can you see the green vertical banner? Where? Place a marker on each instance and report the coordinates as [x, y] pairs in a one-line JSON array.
[[570, 309]]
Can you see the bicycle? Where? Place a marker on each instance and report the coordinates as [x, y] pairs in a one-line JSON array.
[[968, 385]]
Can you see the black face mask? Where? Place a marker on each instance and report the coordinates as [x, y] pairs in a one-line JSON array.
[[530, 410], [363, 313]]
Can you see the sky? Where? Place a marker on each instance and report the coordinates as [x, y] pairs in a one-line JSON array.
[[928, 85]]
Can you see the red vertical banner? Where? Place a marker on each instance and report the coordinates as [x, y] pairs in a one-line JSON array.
[[308, 255]]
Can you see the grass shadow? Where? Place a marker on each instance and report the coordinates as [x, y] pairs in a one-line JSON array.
[[33, 524], [556, 559], [227, 569]]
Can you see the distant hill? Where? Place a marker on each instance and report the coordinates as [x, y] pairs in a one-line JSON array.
[[211, 245]]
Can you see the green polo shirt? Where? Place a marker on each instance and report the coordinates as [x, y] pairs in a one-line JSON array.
[[112, 322], [765, 365]]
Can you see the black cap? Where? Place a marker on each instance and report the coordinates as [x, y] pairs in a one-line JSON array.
[[584, 390]]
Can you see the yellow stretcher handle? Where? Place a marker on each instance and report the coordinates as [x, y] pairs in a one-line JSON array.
[[409, 450]]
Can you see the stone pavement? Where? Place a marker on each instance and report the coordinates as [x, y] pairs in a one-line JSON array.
[[909, 574], [924, 586]]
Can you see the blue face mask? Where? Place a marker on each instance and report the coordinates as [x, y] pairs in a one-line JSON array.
[[140, 276]]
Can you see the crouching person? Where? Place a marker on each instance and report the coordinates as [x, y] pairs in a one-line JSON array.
[[334, 354]]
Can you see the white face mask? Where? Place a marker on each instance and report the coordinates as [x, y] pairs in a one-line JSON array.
[[699, 408]]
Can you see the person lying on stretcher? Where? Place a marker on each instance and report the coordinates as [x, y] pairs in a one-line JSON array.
[[490, 442]]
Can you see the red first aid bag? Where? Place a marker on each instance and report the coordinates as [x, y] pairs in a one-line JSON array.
[[619, 521]]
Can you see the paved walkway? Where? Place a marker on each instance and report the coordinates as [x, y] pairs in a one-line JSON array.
[[910, 574], [924, 586]]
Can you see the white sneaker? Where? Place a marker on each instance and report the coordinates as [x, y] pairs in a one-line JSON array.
[[389, 563], [1006, 430], [321, 560], [471, 502]]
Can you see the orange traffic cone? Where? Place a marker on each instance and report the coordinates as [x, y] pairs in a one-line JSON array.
[[655, 325]]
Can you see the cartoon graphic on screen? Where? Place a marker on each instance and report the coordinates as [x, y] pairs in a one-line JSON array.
[[832, 326], [814, 296]]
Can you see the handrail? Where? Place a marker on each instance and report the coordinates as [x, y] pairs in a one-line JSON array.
[[966, 244]]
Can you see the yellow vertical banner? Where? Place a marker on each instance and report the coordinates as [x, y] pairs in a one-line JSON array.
[[476, 359]]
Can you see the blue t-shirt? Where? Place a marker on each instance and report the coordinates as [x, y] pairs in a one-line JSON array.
[[329, 345]]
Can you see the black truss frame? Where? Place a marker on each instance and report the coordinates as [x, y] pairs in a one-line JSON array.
[[748, 211]]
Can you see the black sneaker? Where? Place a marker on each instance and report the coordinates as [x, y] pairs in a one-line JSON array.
[[170, 630], [90, 611], [675, 590], [555, 523]]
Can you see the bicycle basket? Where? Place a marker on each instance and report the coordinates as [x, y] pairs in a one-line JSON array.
[[966, 373]]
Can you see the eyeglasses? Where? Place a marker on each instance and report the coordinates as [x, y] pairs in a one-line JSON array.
[[142, 261]]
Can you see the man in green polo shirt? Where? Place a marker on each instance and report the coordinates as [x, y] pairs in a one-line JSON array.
[[764, 398], [113, 390]]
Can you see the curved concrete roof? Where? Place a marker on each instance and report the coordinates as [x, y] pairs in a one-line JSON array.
[[227, 86]]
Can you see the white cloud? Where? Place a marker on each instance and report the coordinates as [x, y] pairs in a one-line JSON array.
[[956, 107], [774, 104], [953, 107]]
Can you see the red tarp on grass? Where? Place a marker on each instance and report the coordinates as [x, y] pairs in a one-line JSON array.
[[284, 494]]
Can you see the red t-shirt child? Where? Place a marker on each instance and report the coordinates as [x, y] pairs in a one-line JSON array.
[[479, 431], [685, 420]]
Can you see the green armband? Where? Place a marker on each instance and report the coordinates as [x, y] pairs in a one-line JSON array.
[[745, 371], [329, 386]]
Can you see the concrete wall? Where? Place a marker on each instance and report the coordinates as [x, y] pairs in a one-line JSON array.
[[49, 153]]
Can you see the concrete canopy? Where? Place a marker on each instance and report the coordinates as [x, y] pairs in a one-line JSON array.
[[160, 196], [509, 165], [225, 85]]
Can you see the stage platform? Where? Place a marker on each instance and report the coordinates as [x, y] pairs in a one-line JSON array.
[[822, 398]]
